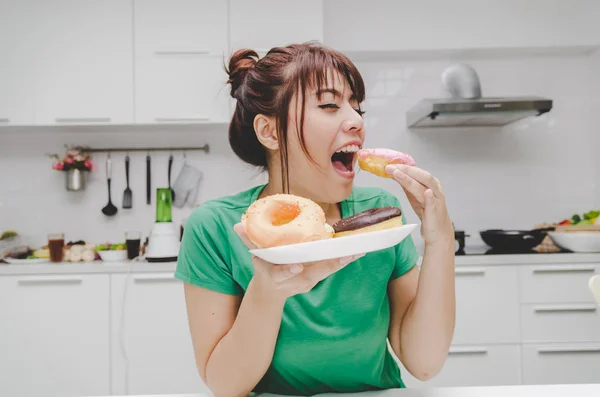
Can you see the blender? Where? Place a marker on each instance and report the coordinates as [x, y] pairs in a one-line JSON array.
[[163, 243]]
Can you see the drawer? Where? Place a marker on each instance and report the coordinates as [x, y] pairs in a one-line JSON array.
[[556, 283], [487, 305], [565, 363], [576, 322]]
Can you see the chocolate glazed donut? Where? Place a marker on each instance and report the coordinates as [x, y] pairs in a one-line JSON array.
[[369, 220]]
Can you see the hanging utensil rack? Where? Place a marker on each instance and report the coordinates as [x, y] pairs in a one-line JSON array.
[[204, 148]]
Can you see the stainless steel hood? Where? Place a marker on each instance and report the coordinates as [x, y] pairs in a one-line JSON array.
[[467, 107], [453, 112]]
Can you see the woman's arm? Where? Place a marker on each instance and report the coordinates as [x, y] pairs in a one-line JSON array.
[[423, 312], [233, 338]]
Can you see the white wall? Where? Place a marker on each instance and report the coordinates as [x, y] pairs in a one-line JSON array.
[[539, 170]]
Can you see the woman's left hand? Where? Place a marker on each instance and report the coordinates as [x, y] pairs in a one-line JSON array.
[[426, 197]]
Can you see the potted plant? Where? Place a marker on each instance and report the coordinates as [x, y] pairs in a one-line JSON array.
[[75, 163]]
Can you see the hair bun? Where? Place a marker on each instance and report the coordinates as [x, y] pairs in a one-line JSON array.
[[239, 64]]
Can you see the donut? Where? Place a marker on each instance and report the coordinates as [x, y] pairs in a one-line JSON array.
[[368, 221], [375, 160], [284, 219]]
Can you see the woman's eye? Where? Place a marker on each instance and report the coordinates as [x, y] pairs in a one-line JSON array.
[[329, 106]]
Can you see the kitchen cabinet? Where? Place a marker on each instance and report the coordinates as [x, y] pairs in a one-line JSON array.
[[54, 335], [17, 66], [263, 24], [152, 353], [188, 90], [180, 26], [561, 363], [459, 25], [84, 65], [180, 50], [487, 305]]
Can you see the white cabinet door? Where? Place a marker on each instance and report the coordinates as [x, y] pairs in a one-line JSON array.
[[567, 322], [182, 26], [54, 336], [18, 64], [84, 61], [487, 305], [566, 363], [155, 335], [557, 283], [263, 24], [181, 89], [353, 25]]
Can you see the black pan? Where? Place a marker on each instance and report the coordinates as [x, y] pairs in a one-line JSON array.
[[514, 240]]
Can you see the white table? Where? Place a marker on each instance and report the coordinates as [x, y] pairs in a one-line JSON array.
[[589, 390]]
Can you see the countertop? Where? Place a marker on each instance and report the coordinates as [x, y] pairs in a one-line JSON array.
[[489, 391], [145, 267]]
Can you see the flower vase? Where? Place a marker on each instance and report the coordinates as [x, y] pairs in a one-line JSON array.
[[75, 180]]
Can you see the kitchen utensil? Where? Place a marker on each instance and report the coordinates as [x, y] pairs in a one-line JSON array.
[[127, 194], [170, 167], [335, 247], [110, 209], [186, 185], [113, 255], [514, 240], [462, 81], [163, 205], [133, 240], [148, 178], [577, 241]]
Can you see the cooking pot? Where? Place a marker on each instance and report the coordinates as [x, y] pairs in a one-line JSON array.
[[514, 240]]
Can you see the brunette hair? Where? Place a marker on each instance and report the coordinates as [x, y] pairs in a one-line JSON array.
[[267, 86]]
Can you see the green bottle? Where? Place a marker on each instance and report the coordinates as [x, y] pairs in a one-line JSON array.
[[163, 205]]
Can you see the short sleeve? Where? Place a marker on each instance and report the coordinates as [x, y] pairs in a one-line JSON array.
[[407, 255], [201, 260]]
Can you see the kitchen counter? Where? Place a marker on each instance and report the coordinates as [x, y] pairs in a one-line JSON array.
[[145, 267], [591, 390]]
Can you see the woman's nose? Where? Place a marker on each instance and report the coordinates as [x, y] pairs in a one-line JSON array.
[[353, 121]]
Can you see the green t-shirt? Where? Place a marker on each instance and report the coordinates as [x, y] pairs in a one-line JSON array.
[[332, 338]]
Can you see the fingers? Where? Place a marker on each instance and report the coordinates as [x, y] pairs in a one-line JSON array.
[[419, 175], [241, 232], [409, 184]]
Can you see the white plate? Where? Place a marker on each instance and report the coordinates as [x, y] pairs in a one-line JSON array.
[[335, 247], [26, 261]]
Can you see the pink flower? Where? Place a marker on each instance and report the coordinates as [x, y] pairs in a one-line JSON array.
[[69, 160], [88, 164], [59, 166]]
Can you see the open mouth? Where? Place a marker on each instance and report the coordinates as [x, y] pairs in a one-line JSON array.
[[343, 159]]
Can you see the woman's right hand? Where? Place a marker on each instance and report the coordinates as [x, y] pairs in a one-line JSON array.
[[288, 280]]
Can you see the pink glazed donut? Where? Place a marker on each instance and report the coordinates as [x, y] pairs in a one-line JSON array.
[[375, 160]]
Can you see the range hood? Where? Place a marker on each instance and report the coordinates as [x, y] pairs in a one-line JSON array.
[[467, 107], [453, 112]]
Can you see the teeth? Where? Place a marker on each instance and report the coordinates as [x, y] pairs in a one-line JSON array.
[[349, 149]]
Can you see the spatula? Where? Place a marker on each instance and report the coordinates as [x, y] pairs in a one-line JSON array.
[[110, 209], [127, 194]]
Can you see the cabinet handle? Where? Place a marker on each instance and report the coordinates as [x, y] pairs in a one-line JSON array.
[[155, 279], [181, 52], [475, 271], [50, 281], [82, 119], [565, 308], [577, 349], [180, 119], [4, 121], [564, 269], [468, 350]]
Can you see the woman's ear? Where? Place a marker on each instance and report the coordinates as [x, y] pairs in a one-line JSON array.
[[266, 131]]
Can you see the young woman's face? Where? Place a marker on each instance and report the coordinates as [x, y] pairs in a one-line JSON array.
[[333, 132]]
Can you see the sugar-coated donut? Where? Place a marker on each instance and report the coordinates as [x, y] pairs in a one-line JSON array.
[[284, 219], [375, 160]]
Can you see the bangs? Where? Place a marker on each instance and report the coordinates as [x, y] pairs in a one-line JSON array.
[[316, 67]]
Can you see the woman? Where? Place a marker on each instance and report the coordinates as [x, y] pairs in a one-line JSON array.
[[316, 327]]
